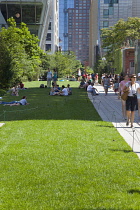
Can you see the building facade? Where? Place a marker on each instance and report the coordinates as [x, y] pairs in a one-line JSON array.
[[74, 30], [35, 13], [109, 12], [52, 39]]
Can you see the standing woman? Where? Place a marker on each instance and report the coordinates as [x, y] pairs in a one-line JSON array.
[[121, 87], [54, 76], [106, 84], [131, 102]]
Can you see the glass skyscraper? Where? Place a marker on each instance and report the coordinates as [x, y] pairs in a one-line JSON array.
[[74, 27], [64, 5]]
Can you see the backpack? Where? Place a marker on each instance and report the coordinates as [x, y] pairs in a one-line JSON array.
[[42, 86]]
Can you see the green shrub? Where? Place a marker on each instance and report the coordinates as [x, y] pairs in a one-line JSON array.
[[2, 92]]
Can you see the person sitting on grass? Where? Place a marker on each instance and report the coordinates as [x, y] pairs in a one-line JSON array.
[[69, 90], [23, 101], [55, 90], [15, 91], [82, 83], [51, 93], [64, 91], [91, 89]]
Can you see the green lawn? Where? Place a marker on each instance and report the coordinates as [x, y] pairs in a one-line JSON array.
[[57, 154]]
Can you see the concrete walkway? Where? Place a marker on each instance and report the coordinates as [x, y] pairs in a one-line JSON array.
[[109, 108]]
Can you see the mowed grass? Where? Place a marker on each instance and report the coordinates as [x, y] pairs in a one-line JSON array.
[[57, 154]]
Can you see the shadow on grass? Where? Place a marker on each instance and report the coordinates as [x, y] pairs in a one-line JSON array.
[[104, 209], [107, 126], [123, 150], [45, 107], [134, 191]]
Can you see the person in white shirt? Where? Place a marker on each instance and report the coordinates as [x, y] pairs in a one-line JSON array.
[[91, 89], [64, 91], [131, 102], [49, 78]]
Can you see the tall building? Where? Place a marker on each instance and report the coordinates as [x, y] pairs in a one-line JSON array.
[[109, 12], [74, 28], [35, 13], [64, 5], [52, 39]]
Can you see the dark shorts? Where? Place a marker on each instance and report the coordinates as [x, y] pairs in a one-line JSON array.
[[131, 104], [54, 79]]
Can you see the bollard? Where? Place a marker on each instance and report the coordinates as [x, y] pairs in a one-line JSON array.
[[133, 129]]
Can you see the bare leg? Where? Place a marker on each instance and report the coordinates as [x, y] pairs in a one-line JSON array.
[[123, 108], [48, 83], [128, 113], [106, 90]]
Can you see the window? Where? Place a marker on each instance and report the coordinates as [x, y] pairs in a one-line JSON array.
[[49, 28], [48, 38], [105, 12], [105, 24], [48, 47], [111, 10], [132, 64], [116, 1], [28, 13]]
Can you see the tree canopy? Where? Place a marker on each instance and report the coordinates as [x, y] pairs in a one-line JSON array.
[[122, 34], [21, 55], [65, 64]]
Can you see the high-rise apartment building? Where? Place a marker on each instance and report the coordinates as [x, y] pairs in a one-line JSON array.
[[35, 13], [74, 27], [108, 12]]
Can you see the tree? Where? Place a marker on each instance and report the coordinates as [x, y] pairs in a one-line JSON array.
[[65, 64], [23, 52], [123, 33]]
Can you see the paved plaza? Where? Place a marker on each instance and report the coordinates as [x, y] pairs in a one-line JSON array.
[[109, 108]]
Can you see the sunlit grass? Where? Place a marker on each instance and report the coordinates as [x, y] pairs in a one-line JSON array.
[[57, 154]]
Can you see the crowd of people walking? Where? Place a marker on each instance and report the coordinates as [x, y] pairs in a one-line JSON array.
[[131, 87]]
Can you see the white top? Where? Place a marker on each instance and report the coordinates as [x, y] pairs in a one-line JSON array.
[[49, 75], [90, 88], [132, 88], [65, 92], [138, 91], [23, 101]]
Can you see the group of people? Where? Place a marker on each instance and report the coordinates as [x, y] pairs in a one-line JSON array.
[[64, 91], [51, 77], [128, 83], [89, 87], [16, 88], [120, 85]]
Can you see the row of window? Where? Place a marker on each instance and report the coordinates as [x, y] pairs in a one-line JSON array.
[[111, 1]]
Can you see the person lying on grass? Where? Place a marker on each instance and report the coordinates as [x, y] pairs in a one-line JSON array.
[[23, 101]]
